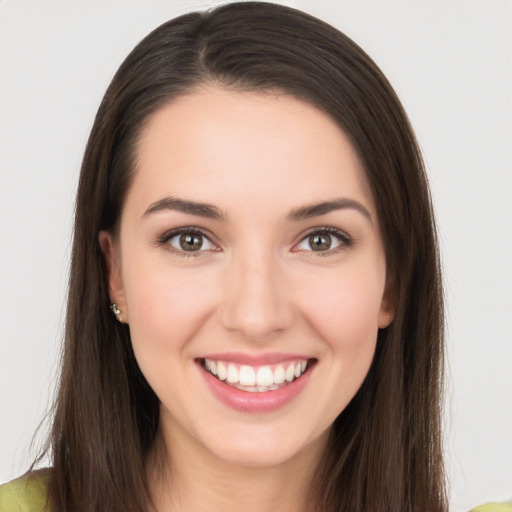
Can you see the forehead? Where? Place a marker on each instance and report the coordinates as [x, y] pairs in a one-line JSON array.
[[219, 145]]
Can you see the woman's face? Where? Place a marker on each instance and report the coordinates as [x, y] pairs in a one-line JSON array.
[[250, 269]]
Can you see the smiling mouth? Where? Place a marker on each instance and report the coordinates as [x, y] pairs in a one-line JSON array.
[[259, 379]]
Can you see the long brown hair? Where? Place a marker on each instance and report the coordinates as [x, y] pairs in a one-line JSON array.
[[385, 450]]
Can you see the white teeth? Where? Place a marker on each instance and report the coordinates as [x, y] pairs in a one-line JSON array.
[[233, 376], [251, 389], [264, 377], [222, 373], [247, 376], [279, 375], [260, 379], [290, 372]]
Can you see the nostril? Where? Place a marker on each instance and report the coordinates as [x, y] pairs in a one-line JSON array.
[[255, 321]]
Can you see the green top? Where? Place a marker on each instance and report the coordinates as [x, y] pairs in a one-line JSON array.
[[505, 506], [28, 494]]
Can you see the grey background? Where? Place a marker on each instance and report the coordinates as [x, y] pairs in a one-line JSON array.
[[450, 63]]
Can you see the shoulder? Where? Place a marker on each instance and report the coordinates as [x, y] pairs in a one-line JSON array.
[[26, 494], [505, 506]]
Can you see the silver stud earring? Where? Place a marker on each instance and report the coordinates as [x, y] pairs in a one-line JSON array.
[[117, 312]]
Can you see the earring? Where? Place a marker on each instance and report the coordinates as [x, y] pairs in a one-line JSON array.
[[117, 312]]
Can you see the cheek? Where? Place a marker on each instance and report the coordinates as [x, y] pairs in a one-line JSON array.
[[346, 309], [344, 315], [166, 309], [170, 305]]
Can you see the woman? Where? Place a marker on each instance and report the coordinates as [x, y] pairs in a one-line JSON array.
[[255, 307]]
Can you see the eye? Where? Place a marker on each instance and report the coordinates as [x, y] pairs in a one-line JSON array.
[[188, 240], [324, 240]]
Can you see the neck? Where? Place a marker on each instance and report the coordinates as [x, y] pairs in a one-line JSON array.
[[184, 476]]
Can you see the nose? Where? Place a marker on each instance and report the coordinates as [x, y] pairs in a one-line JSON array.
[[256, 302]]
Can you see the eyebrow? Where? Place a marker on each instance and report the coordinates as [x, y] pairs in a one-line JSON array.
[[212, 212], [317, 209], [181, 205]]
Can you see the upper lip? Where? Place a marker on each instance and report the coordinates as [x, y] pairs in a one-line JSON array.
[[255, 359]]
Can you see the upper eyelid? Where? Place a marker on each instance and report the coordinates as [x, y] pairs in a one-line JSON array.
[[324, 229], [345, 239], [171, 233], [185, 229], [331, 230]]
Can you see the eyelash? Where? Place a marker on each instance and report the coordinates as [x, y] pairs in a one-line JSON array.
[[169, 235], [345, 240]]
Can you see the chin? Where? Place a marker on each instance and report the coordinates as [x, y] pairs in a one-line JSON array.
[[256, 456], [264, 448]]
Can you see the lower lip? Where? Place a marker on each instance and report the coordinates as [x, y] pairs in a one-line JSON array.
[[245, 401]]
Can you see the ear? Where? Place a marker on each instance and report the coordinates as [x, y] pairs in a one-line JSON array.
[[111, 253], [387, 306]]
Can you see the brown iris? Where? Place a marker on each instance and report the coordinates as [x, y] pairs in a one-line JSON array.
[[191, 242], [320, 242]]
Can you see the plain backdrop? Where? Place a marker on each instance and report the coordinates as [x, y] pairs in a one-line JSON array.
[[450, 62]]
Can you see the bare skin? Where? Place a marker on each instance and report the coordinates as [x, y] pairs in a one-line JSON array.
[[249, 229], [200, 482]]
